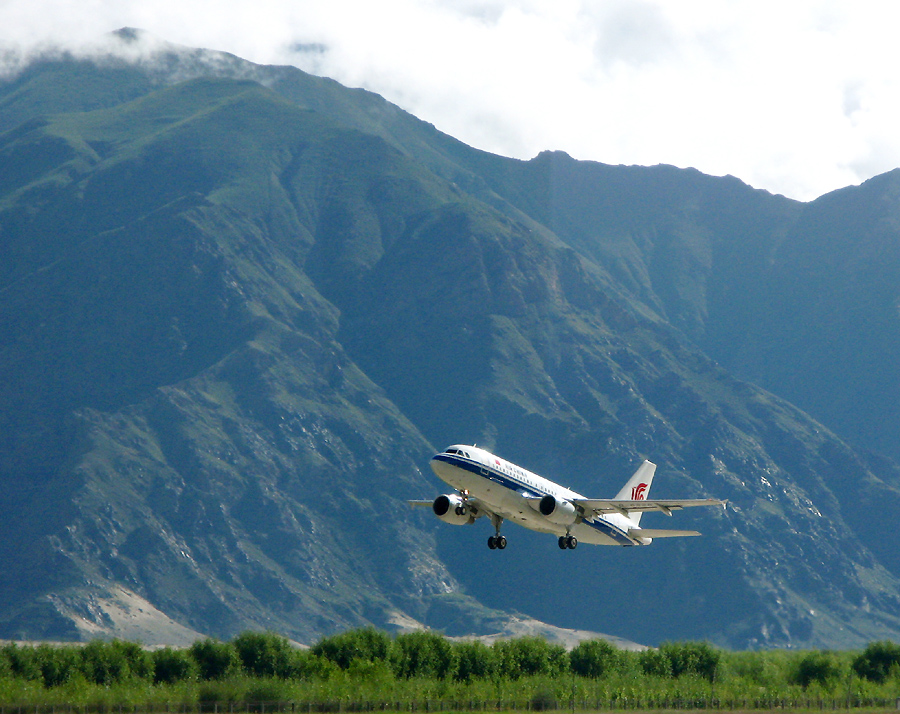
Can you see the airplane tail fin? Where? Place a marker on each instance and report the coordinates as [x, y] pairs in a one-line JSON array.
[[638, 488]]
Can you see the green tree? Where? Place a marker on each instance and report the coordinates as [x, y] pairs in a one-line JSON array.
[[698, 658], [820, 667], [110, 662], [306, 665], [475, 661], [5, 669], [655, 663], [264, 654], [22, 662], [367, 644], [878, 661], [424, 654], [215, 660], [594, 658], [59, 664], [170, 666], [526, 656]]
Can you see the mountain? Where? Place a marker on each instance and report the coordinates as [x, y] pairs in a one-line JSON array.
[[241, 306]]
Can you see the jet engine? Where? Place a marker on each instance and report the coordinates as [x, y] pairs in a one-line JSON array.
[[453, 510], [558, 511]]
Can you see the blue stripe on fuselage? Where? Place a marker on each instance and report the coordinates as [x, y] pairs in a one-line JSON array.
[[522, 488]]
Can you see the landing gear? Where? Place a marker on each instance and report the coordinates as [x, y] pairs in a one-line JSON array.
[[497, 542], [567, 541], [463, 508]]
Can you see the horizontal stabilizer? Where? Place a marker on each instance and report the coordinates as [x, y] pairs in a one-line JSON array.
[[657, 533]]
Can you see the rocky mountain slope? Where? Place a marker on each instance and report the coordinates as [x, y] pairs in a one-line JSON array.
[[241, 306]]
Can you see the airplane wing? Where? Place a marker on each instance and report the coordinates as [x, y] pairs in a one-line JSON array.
[[660, 533], [421, 503], [594, 507]]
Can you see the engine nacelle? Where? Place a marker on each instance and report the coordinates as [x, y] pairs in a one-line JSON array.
[[558, 511], [453, 510]]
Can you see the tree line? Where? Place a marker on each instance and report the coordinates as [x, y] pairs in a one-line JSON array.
[[371, 665], [406, 656]]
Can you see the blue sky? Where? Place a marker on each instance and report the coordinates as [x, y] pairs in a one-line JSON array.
[[798, 97]]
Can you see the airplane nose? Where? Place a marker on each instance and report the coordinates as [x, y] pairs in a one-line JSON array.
[[440, 468]]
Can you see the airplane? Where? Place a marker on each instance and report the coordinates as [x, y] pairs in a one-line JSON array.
[[490, 487]]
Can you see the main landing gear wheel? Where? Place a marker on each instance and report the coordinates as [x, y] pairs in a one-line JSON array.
[[567, 541], [498, 541]]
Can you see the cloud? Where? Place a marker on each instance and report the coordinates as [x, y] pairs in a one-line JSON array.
[[632, 33], [799, 98]]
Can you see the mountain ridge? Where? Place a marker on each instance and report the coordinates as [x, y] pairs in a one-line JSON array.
[[234, 318]]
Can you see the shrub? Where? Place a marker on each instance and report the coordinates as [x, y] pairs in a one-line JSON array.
[[215, 660], [171, 666], [765, 669], [475, 660], [543, 700], [376, 672], [367, 644], [424, 654], [267, 690], [264, 654], [812, 667], [878, 661], [594, 658], [306, 665], [221, 691]]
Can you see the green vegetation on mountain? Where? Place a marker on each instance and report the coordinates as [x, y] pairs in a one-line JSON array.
[[240, 307]]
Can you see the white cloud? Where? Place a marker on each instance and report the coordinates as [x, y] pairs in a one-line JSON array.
[[798, 98]]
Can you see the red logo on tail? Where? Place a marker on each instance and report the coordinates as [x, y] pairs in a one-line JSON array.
[[637, 493]]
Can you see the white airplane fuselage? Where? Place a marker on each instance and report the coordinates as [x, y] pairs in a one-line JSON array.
[[514, 493]]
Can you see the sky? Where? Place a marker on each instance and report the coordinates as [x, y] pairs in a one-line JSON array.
[[798, 97]]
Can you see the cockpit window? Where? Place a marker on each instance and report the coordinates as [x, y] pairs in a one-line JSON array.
[[452, 451]]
